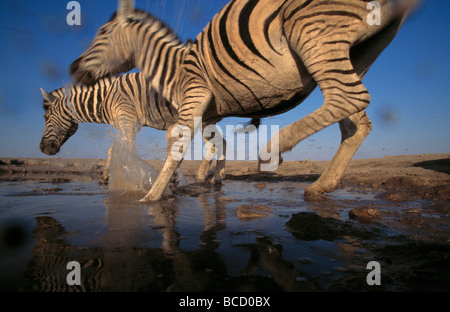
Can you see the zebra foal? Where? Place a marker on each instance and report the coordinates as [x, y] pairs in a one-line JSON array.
[[256, 58], [124, 102]]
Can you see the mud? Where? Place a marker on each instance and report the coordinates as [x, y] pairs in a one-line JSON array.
[[255, 232]]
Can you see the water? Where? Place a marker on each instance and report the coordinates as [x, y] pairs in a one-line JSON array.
[[191, 241], [127, 171]]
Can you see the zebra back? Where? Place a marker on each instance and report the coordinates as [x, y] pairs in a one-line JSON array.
[[81, 101], [132, 97]]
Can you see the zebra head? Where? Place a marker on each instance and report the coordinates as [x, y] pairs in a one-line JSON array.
[[111, 52], [59, 122]]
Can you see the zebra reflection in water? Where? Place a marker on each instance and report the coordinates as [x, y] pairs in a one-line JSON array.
[[142, 250]]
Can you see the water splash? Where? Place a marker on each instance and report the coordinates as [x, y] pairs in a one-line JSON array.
[[128, 171]]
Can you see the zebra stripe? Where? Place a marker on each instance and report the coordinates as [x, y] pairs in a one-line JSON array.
[[257, 58]]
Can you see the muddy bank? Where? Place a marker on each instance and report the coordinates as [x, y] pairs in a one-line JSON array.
[[429, 173]]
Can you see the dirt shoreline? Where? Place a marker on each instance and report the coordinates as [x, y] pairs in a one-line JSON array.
[[424, 176]]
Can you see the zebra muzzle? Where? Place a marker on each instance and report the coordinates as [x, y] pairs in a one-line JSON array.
[[50, 148]]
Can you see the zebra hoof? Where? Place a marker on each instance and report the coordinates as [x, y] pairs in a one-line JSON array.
[[215, 181], [222, 175], [202, 179], [103, 181], [312, 194], [150, 198]]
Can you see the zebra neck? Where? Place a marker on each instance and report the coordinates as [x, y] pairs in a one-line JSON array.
[[86, 104], [159, 54]]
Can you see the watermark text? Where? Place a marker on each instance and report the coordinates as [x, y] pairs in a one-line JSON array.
[[374, 17], [74, 16], [242, 143], [374, 276], [74, 276]]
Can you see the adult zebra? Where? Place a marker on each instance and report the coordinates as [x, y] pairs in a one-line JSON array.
[[257, 58], [125, 102]]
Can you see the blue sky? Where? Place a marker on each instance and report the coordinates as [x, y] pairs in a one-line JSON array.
[[409, 83]]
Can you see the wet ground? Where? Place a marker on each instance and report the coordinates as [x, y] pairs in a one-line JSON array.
[[254, 233]]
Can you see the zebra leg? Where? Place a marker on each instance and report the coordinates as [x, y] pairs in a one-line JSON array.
[[219, 173], [354, 130], [179, 135], [202, 174], [219, 170], [171, 164], [105, 176], [344, 95]]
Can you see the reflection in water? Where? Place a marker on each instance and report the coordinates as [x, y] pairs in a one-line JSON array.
[[123, 260], [194, 240], [113, 268]]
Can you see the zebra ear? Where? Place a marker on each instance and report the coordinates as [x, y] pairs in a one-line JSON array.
[[48, 98], [126, 7]]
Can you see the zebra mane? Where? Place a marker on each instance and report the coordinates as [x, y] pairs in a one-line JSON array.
[[69, 89], [58, 96], [143, 17]]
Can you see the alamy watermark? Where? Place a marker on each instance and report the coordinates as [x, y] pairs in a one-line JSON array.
[[74, 16], [74, 276], [374, 276], [374, 17], [242, 143]]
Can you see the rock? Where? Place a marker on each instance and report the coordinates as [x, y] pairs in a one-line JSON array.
[[300, 279], [261, 185], [250, 212], [244, 170], [365, 213], [17, 162], [397, 196], [308, 226], [60, 180], [305, 260]]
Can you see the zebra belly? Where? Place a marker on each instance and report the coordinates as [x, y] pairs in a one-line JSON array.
[[261, 102]]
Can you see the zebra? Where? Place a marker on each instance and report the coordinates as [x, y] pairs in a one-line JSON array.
[[124, 102], [256, 58], [102, 268]]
